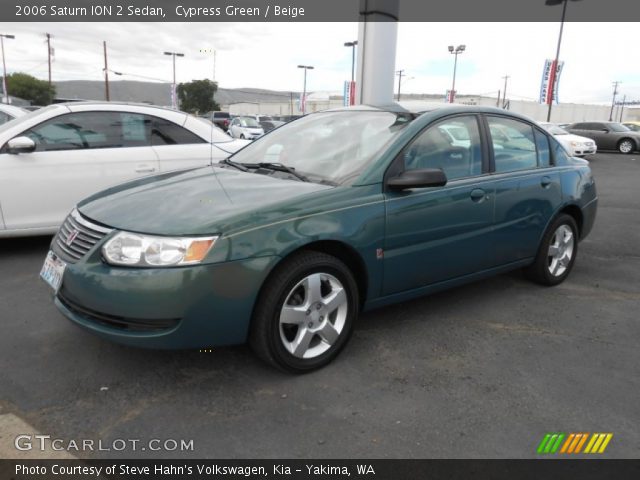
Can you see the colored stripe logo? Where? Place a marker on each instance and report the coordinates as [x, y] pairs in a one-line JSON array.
[[571, 443]]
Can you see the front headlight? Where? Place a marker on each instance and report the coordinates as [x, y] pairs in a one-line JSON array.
[[576, 144], [136, 250]]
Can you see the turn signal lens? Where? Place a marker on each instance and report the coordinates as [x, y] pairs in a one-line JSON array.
[[197, 250]]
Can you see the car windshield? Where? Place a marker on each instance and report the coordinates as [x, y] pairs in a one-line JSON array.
[[26, 118], [330, 147], [249, 122], [618, 127]]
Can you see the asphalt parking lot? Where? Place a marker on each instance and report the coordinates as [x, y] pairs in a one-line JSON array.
[[484, 370]]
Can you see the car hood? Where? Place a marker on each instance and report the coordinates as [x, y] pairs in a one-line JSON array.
[[201, 201], [573, 138]]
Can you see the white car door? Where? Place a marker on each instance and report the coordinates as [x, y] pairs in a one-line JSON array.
[[77, 154]]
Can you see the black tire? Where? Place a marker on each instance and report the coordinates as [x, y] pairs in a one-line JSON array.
[[540, 270], [626, 145], [267, 336], [242, 136]]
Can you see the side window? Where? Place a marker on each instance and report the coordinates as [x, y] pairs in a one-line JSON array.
[[84, 130], [164, 132], [560, 155], [4, 117], [514, 146], [452, 145], [544, 154]]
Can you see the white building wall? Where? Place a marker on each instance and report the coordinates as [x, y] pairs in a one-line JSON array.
[[563, 113]]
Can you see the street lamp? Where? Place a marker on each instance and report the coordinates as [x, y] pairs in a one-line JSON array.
[[554, 67], [353, 58], [4, 67], [304, 91], [174, 100], [455, 51]]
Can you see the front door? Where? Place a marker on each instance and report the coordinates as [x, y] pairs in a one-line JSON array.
[[77, 154], [440, 233]]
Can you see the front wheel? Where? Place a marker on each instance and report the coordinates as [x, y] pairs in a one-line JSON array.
[[305, 312], [626, 145], [557, 252]]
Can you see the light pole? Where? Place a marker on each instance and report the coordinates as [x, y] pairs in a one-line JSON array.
[[455, 51], [504, 97], [304, 90], [174, 99], [353, 58], [554, 67], [613, 100], [400, 74], [4, 68]]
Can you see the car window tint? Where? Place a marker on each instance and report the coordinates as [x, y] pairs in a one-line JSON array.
[[135, 130], [542, 144], [452, 145], [560, 155], [84, 130], [514, 146], [4, 117], [164, 132]]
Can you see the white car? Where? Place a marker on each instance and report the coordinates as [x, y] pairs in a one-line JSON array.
[[9, 112], [54, 157], [245, 128], [576, 145]]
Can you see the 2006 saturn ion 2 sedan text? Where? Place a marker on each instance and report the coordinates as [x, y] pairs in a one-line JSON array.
[[287, 241]]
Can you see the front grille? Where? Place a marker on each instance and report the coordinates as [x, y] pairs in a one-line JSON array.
[[76, 237], [118, 322]]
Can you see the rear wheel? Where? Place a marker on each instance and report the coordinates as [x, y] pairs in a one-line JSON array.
[[242, 136], [305, 313], [557, 252], [626, 145]]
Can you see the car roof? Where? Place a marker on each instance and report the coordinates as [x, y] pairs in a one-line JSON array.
[[419, 108]]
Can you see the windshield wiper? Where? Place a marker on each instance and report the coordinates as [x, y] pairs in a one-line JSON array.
[[237, 165], [280, 168]]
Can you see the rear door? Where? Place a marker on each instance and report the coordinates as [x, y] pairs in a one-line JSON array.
[[177, 147], [77, 154], [527, 187]]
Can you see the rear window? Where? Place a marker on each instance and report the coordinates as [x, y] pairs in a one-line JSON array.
[[220, 115]]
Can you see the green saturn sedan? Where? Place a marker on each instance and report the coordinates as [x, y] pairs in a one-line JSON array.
[[284, 243]]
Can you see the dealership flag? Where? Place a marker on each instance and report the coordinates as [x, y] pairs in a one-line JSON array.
[[550, 77], [349, 93]]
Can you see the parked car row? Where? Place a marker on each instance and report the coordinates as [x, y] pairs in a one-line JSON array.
[[55, 156], [223, 121], [608, 135], [576, 145]]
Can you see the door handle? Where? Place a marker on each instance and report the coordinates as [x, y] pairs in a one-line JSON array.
[[477, 195], [145, 169], [545, 182]]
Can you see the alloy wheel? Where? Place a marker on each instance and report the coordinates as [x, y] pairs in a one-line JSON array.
[[626, 146], [313, 315], [560, 250]]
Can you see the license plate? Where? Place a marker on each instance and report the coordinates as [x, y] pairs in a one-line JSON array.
[[53, 270]]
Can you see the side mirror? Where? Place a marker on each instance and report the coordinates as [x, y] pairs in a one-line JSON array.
[[419, 178], [21, 145]]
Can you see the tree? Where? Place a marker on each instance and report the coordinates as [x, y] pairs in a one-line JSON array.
[[197, 96], [38, 92]]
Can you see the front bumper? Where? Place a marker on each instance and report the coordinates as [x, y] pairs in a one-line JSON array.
[[170, 308]]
